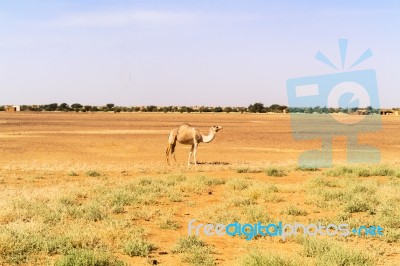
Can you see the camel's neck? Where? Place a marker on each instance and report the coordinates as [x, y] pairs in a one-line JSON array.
[[209, 137]]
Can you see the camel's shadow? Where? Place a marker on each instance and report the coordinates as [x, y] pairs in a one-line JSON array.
[[213, 163]]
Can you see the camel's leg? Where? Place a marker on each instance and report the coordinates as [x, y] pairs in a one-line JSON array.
[[167, 152], [173, 151], [195, 152], [171, 144], [190, 154]]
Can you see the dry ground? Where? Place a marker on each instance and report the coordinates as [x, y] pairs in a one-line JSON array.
[[96, 186]]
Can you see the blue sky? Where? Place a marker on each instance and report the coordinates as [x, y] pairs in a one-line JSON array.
[[187, 52]]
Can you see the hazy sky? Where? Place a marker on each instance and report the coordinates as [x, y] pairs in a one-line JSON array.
[[187, 52]]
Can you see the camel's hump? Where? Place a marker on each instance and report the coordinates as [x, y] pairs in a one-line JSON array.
[[185, 125]]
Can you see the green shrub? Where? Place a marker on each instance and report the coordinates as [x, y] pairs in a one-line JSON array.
[[307, 168], [258, 258], [194, 250], [199, 257], [294, 211], [82, 257], [328, 252], [357, 206], [92, 173], [383, 170], [186, 243], [273, 171], [72, 173], [237, 184], [138, 247], [248, 170]]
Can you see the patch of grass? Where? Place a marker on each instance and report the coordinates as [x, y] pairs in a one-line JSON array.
[[168, 223], [82, 257], [173, 180], [258, 258], [238, 184], [321, 182], [194, 250], [72, 173], [145, 181], [329, 253], [211, 181], [397, 174], [16, 246], [92, 173], [67, 201], [175, 196], [273, 198], [91, 212], [307, 168], [248, 170], [185, 244], [356, 205], [274, 171], [391, 235], [383, 170], [121, 198], [138, 247], [199, 257], [361, 171], [344, 171], [254, 214], [294, 211]]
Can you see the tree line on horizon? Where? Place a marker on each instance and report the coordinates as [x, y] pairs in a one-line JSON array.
[[252, 108]]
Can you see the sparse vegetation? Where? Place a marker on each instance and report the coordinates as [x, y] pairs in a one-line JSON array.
[[294, 211], [274, 171], [92, 173], [138, 247], [82, 257], [194, 251], [248, 170], [258, 258], [327, 252], [72, 173]]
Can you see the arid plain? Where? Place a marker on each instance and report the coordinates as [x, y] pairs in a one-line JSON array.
[[95, 187]]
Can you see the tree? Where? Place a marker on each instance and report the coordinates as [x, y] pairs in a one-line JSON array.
[[274, 108], [63, 107], [151, 108], [110, 106], [256, 108], [228, 109], [50, 107], [76, 106], [183, 109], [218, 109]]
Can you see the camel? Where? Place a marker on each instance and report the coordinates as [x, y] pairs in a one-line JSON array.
[[188, 135]]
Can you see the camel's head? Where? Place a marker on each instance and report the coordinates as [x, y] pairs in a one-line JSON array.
[[216, 128]]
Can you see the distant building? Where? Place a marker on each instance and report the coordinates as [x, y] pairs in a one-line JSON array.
[[362, 112], [387, 112], [13, 108]]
